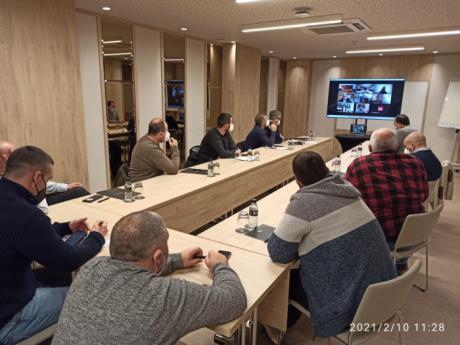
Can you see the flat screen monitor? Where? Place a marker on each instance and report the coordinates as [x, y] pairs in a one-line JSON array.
[[175, 94], [372, 99]]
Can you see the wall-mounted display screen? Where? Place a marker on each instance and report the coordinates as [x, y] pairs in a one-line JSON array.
[[175, 94]]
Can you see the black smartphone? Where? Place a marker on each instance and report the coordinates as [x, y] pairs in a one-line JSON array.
[[225, 253], [93, 198]]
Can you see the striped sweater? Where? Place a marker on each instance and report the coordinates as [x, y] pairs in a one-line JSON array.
[[341, 247]]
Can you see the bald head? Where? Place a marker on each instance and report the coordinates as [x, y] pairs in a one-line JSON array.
[[136, 236], [414, 141], [383, 139], [6, 149]]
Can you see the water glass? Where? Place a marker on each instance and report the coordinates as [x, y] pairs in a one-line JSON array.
[[242, 222], [216, 168], [290, 145], [139, 188], [354, 152], [128, 192], [256, 155]]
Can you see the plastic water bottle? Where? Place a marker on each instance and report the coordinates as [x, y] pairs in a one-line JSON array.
[[338, 163], [129, 196], [310, 136], [253, 215]]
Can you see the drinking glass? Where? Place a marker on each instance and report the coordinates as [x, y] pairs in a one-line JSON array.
[[242, 222], [354, 152], [138, 187], [256, 155]]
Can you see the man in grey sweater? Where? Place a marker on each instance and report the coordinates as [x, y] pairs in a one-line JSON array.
[[128, 299]]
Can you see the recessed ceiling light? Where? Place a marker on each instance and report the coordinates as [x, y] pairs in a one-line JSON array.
[[435, 52], [271, 52], [415, 35], [183, 28], [232, 42], [245, 1], [291, 24], [384, 50], [294, 58], [112, 41], [334, 56], [380, 54], [106, 8]]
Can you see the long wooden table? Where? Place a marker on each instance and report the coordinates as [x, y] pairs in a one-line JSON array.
[[189, 201], [265, 283]]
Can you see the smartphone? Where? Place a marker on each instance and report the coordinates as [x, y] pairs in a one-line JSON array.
[[93, 198], [225, 253], [76, 238]]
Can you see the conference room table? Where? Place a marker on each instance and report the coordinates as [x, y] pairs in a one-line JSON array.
[[188, 201], [265, 283]]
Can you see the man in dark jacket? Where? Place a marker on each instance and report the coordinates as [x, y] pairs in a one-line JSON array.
[[415, 144], [27, 236], [275, 117], [258, 137]]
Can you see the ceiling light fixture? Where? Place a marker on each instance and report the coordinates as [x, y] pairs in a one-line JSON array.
[[112, 41], [106, 8], [334, 56], [414, 35], [245, 1], [174, 60], [435, 52], [291, 24], [117, 54], [294, 58], [380, 54], [271, 52], [384, 50], [183, 28]]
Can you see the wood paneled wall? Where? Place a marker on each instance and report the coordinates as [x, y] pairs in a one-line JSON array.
[[240, 86], [41, 102], [297, 98]]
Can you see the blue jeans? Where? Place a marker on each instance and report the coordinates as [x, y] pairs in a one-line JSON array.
[[41, 312]]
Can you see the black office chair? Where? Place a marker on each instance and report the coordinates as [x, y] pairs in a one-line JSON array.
[[192, 158]]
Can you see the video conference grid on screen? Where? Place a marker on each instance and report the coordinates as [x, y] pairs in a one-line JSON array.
[[365, 98]]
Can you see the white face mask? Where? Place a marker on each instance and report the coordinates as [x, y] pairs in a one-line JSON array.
[[160, 272], [406, 150], [231, 127], [267, 124], [167, 136], [278, 122]]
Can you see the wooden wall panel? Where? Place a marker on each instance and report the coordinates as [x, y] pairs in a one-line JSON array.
[[41, 102], [297, 98], [228, 77]]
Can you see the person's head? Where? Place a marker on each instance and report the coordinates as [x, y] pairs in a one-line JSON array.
[[158, 130], [30, 167], [261, 120], [6, 149], [383, 139], [414, 141], [401, 121], [141, 238], [275, 116], [225, 122], [309, 168], [111, 105]]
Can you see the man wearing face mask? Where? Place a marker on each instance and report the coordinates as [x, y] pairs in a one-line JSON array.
[[218, 141], [27, 236], [258, 137], [327, 216], [148, 158], [128, 298], [275, 117]]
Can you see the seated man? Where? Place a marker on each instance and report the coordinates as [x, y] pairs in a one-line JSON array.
[[112, 112], [415, 144], [55, 192], [393, 185], [339, 242], [403, 129], [148, 158], [258, 137], [27, 235], [275, 117], [218, 141], [128, 298]]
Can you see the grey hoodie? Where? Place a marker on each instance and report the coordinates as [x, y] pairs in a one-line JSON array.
[[341, 247]]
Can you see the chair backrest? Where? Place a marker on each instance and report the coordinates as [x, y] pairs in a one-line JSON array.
[[446, 167], [40, 337], [382, 301], [417, 228], [336, 148], [122, 175], [194, 150], [432, 200]]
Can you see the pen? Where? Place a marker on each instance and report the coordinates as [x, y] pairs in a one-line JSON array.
[[103, 199]]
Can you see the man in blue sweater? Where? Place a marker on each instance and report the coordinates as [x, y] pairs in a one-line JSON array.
[[27, 235], [415, 144], [258, 137], [339, 242]]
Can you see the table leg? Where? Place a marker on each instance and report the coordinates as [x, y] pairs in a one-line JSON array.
[[254, 327]]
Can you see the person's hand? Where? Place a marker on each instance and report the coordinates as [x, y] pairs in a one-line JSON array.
[[214, 258], [282, 138], [273, 127], [187, 257], [101, 227], [74, 185], [238, 151], [173, 142], [79, 224]]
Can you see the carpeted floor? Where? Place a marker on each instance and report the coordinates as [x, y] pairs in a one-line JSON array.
[[440, 304]]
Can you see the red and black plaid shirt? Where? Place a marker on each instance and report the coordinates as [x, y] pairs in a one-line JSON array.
[[393, 185]]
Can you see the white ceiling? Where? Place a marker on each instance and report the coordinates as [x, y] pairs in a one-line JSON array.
[[221, 19]]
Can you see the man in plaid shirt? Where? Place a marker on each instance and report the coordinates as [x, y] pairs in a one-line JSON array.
[[393, 185]]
